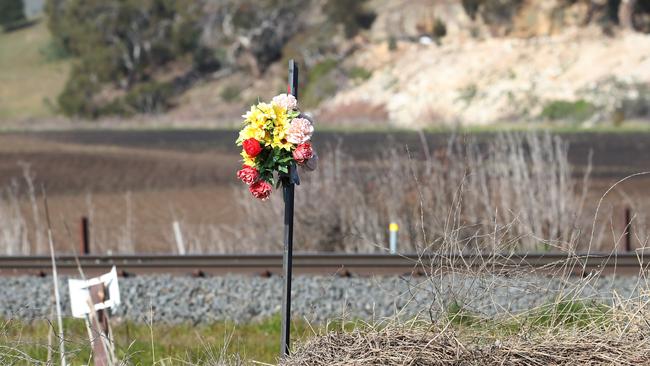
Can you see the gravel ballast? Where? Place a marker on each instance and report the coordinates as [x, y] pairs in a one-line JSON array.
[[315, 298]]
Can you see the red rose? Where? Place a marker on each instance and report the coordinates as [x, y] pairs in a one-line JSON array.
[[252, 147], [260, 189], [302, 153], [248, 174]]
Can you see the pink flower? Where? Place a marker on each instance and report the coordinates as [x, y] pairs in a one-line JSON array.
[[248, 174], [302, 153], [299, 131], [260, 189], [287, 101]]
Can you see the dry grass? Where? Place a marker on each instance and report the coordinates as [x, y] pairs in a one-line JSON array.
[[520, 186], [467, 322], [427, 345], [573, 328], [470, 320]]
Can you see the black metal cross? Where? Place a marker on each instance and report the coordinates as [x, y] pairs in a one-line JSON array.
[[288, 185]]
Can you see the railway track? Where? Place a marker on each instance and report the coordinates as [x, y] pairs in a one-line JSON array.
[[323, 264]]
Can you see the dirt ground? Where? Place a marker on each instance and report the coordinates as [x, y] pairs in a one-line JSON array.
[[134, 184]]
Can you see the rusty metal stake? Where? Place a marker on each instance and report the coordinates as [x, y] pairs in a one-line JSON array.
[[84, 236], [628, 229]]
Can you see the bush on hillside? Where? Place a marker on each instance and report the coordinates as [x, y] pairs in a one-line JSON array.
[[352, 15], [125, 52], [577, 111], [12, 14]]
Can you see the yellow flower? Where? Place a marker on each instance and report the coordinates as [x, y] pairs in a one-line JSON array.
[[281, 124], [280, 113], [280, 141], [257, 115], [247, 160], [251, 115], [251, 131], [268, 138], [268, 124], [266, 109]]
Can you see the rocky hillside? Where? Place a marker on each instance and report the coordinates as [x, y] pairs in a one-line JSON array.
[[405, 63], [578, 76], [426, 63]]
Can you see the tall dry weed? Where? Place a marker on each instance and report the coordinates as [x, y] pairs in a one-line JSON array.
[[520, 185], [13, 232]]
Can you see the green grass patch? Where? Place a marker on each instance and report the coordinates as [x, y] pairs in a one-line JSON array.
[[144, 345], [569, 314], [319, 83], [577, 111], [259, 341], [459, 316], [31, 76], [572, 313], [359, 73], [231, 93]]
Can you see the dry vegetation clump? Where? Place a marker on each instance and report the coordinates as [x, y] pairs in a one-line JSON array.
[[467, 324], [518, 184], [559, 318], [442, 346]]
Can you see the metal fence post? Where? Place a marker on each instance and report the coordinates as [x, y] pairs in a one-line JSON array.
[[84, 236], [288, 187], [628, 229]]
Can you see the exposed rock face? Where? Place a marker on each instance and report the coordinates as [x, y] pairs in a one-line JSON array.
[[499, 79], [483, 18], [253, 32], [401, 20], [444, 61]]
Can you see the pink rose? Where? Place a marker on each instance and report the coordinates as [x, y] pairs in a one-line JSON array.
[[260, 189], [302, 153], [287, 101], [248, 174], [299, 131]]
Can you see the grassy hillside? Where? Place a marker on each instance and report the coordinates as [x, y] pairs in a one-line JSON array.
[[30, 77]]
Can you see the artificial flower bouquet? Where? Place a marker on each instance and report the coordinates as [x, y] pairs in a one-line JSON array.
[[275, 138]]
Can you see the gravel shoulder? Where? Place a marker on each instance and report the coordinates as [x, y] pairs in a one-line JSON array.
[[316, 298]]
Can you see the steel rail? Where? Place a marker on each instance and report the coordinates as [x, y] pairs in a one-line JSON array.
[[327, 264]]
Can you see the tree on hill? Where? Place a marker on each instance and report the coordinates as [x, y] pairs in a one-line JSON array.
[[133, 55], [12, 13]]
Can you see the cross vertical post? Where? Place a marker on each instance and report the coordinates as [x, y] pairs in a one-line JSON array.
[[288, 185]]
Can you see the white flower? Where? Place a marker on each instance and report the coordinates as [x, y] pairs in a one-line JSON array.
[[287, 101], [299, 131]]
